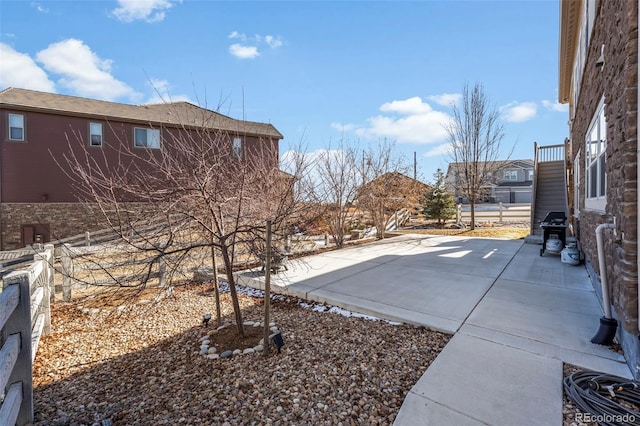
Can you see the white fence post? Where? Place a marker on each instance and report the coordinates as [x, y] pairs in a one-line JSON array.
[[19, 323], [67, 272], [500, 210], [46, 282]]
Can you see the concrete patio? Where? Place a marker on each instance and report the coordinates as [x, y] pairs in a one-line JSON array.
[[516, 317]]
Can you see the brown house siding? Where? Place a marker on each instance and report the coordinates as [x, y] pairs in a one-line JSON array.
[[31, 170], [616, 28]]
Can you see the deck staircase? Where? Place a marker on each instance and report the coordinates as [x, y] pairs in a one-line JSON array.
[[549, 188]]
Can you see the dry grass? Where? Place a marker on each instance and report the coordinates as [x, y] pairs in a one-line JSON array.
[[485, 232]]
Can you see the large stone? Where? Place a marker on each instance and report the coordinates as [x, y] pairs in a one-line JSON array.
[[226, 354]]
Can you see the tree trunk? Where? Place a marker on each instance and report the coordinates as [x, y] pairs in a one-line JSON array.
[[267, 290], [232, 288], [216, 290], [472, 226]]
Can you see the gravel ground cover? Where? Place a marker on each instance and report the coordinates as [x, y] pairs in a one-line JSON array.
[[140, 366]]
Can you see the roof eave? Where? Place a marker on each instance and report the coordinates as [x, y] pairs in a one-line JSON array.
[[569, 25], [273, 133]]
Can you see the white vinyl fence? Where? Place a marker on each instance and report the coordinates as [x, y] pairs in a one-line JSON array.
[[24, 317], [495, 213]]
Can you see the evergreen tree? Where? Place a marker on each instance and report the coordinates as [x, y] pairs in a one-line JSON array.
[[439, 204]]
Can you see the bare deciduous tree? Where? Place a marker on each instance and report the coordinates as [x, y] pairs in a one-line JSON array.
[[386, 188], [475, 136], [339, 180], [198, 194]]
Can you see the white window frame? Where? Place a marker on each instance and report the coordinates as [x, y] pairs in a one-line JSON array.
[[510, 175], [236, 148], [530, 174], [595, 191], [95, 129], [151, 141], [12, 126]]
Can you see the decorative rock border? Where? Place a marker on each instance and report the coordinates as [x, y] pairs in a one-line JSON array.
[[211, 352]]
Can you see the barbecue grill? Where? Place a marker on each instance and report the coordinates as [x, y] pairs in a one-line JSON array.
[[554, 227]]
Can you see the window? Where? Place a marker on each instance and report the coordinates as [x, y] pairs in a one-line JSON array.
[[595, 172], [236, 149], [510, 175], [146, 138], [530, 174], [16, 127], [95, 134]]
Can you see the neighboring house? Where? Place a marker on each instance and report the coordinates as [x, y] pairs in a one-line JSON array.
[[37, 200], [598, 78], [512, 182]]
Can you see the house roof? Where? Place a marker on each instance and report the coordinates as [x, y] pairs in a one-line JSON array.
[[171, 113]]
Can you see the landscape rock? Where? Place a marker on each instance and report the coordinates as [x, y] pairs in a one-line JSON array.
[[143, 367]]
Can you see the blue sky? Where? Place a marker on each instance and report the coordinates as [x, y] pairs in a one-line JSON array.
[[318, 71]]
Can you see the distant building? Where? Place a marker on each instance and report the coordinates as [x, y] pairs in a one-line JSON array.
[[37, 198], [512, 182]]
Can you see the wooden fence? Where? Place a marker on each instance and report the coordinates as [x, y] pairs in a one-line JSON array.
[[495, 213], [24, 317]]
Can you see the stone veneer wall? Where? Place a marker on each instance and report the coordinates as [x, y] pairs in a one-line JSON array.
[[63, 219], [616, 27]]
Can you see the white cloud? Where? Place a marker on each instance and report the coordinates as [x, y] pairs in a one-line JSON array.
[[555, 106], [162, 94], [82, 71], [408, 106], [343, 127], [409, 121], [237, 35], [446, 99], [272, 41], [515, 112], [243, 52], [248, 49], [145, 10], [20, 70], [39, 7], [438, 150]]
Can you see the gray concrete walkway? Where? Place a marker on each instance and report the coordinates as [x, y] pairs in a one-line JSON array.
[[516, 317]]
